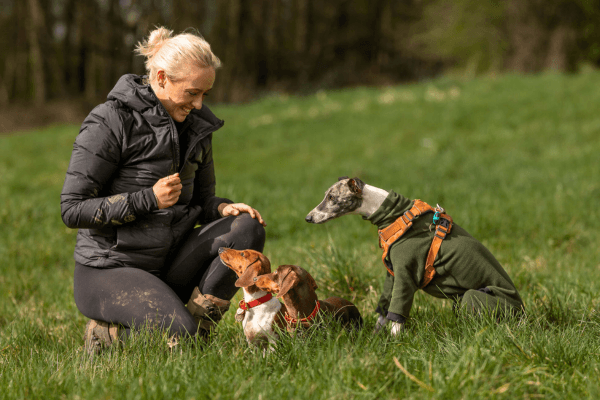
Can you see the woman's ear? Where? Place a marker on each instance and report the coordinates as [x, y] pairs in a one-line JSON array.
[[161, 78]]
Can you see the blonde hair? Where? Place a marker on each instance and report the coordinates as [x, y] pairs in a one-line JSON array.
[[169, 53]]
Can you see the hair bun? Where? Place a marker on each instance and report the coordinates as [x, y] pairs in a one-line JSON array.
[[155, 40]]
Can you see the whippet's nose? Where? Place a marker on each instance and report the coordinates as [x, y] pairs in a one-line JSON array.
[[222, 250], [308, 218]]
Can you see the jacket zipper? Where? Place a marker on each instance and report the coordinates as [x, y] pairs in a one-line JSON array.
[[198, 138], [175, 143]]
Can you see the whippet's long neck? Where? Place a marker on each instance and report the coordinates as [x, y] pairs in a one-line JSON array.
[[372, 197]]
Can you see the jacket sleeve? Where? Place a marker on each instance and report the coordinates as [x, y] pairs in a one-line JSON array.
[[204, 188], [94, 160]]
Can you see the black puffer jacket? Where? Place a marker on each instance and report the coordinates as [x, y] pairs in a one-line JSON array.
[[124, 146]]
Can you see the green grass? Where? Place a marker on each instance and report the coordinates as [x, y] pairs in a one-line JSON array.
[[513, 159]]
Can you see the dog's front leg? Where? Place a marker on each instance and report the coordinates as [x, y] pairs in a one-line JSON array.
[[397, 328], [381, 322]]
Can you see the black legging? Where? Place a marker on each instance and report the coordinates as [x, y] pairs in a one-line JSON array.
[[134, 298]]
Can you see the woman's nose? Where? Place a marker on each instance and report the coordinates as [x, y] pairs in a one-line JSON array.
[[197, 103]]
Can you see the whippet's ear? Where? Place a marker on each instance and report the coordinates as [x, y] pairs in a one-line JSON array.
[[356, 185], [247, 278], [290, 280]]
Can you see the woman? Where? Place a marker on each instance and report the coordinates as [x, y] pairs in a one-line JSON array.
[[141, 177]]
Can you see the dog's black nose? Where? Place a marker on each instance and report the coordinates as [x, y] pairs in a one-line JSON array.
[[308, 218], [222, 249]]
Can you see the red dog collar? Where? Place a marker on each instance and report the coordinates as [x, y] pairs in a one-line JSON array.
[[246, 306], [294, 321]]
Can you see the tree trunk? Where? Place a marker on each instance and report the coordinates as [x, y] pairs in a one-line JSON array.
[[35, 51]]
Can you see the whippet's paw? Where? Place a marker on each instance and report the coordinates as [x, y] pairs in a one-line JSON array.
[[380, 324], [397, 328]]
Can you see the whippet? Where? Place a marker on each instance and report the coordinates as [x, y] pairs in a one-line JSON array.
[[465, 271]]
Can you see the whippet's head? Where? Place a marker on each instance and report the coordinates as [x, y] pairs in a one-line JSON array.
[[247, 264], [342, 198]]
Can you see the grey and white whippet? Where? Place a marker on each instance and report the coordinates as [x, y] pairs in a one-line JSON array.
[[352, 196]]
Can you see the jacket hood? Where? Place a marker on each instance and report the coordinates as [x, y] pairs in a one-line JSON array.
[[135, 92]]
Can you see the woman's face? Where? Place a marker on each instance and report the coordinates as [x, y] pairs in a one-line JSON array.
[[180, 97]]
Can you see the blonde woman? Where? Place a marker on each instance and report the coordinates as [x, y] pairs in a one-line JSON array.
[[141, 177]]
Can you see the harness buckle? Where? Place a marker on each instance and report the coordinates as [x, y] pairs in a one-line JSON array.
[[436, 217], [443, 222]]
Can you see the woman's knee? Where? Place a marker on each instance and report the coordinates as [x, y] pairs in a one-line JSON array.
[[248, 232]]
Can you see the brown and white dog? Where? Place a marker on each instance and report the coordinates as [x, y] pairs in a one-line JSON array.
[[297, 288], [259, 312]]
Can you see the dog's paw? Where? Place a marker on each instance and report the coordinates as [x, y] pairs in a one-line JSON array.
[[381, 322], [397, 328]]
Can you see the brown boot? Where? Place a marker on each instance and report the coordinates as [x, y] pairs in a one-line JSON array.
[[207, 310], [99, 335]]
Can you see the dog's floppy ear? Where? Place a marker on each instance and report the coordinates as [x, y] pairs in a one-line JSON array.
[[311, 281], [289, 280], [265, 264], [356, 185], [247, 278]]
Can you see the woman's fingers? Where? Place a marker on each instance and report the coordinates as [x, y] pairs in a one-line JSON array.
[[167, 190], [260, 219], [171, 180], [236, 208]]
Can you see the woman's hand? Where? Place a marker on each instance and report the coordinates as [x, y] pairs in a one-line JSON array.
[[167, 190], [226, 209]]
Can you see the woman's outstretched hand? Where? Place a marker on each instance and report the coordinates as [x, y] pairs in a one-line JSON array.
[[167, 190], [237, 208]]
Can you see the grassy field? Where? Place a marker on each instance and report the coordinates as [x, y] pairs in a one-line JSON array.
[[514, 160]]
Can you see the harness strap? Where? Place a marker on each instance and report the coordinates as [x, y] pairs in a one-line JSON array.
[[293, 321], [398, 228], [246, 306]]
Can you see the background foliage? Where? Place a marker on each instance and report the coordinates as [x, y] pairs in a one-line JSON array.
[[57, 49]]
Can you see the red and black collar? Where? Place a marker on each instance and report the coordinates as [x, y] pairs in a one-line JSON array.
[[293, 321]]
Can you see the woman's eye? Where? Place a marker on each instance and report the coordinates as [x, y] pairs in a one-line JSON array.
[[192, 94]]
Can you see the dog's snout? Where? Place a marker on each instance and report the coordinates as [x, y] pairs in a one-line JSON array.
[[222, 250], [308, 218]]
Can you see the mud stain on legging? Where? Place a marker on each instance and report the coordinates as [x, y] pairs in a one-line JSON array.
[[148, 297]]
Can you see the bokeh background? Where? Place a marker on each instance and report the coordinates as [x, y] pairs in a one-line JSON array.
[[63, 56], [489, 108]]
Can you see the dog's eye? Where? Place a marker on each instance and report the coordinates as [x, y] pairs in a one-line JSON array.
[[242, 254], [330, 198]]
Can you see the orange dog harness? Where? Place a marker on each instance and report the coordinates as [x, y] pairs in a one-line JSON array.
[[389, 235], [294, 321]]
